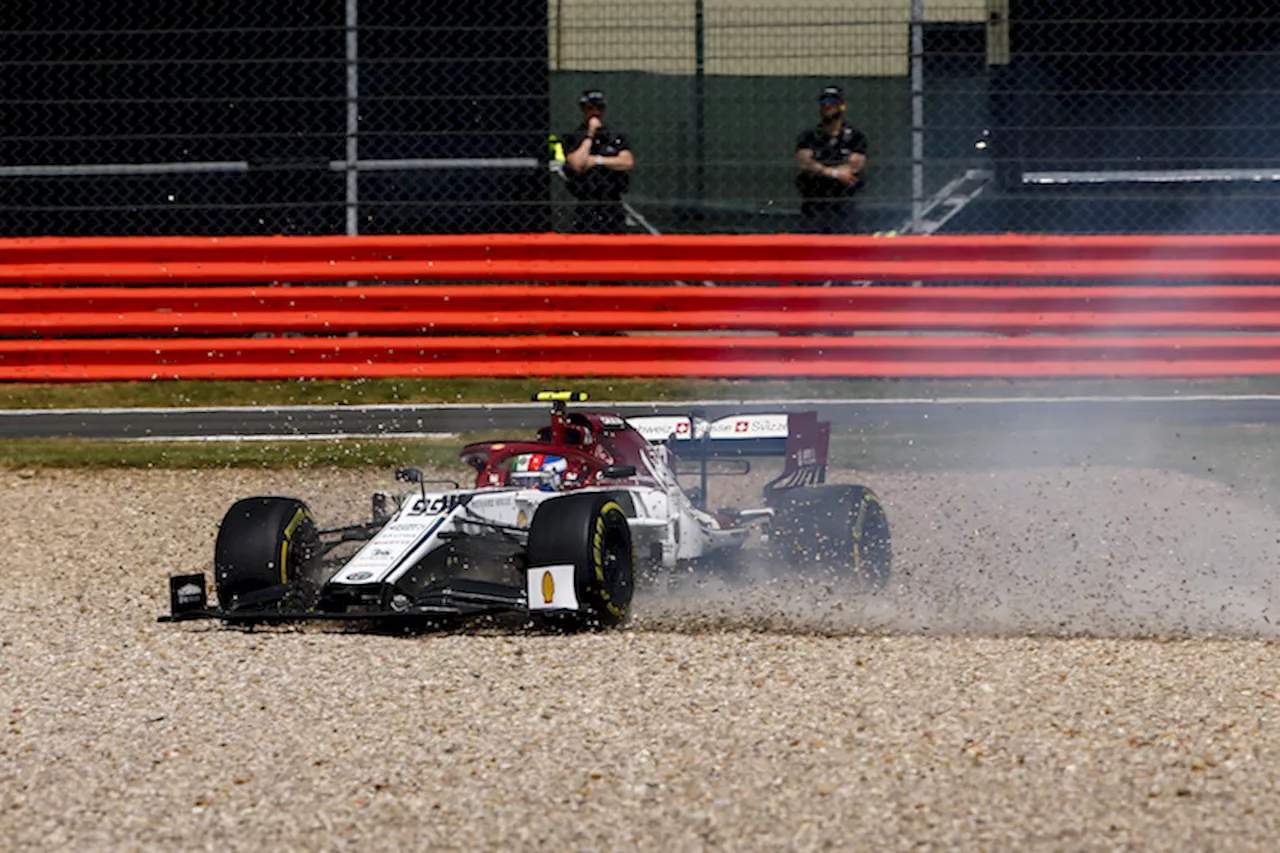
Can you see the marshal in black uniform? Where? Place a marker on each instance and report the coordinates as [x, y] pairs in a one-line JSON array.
[[598, 163], [830, 160]]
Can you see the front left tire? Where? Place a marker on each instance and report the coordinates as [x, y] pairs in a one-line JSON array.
[[264, 542]]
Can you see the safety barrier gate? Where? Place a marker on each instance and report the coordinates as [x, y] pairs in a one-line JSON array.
[[150, 308]]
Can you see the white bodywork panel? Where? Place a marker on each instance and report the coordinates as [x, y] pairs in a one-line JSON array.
[[678, 428], [665, 525], [551, 588], [664, 516]]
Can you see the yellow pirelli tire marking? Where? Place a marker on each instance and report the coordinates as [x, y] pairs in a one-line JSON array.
[[298, 518], [857, 535], [598, 553], [597, 548]]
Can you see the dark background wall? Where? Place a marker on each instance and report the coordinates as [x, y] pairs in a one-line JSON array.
[[1103, 85], [454, 80], [1089, 86], [93, 82]]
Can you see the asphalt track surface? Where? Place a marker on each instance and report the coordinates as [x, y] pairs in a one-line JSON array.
[[390, 420]]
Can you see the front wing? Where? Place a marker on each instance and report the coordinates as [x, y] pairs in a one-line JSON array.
[[549, 588]]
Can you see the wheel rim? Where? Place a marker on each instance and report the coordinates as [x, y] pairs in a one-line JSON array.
[[614, 556]]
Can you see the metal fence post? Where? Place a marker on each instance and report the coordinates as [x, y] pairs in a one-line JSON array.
[[917, 113], [699, 108], [353, 118]]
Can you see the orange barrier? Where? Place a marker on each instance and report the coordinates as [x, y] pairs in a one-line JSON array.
[[410, 309], [559, 257], [717, 357], [68, 316]]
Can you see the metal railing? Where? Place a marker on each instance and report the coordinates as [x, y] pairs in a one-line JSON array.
[[92, 328]]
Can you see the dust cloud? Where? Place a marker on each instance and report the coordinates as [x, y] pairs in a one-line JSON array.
[[1086, 550], [1059, 534]]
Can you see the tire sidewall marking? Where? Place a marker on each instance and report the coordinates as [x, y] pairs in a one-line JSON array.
[[857, 533], [299, 516], [598, 555]]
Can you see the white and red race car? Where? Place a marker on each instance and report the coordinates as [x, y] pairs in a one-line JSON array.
[[556, 526]]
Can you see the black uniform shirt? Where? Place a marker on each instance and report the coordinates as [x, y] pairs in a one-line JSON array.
[[598, 183], [830, 150]]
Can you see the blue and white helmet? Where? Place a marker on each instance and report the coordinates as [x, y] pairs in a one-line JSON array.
[[539, 471]]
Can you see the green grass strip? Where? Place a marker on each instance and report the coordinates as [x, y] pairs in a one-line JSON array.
[[94, 453]]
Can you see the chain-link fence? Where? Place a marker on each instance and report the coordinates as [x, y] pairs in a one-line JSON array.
[[374, 116], [296, 116]]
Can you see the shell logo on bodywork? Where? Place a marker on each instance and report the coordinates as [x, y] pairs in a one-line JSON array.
[[551, 588]]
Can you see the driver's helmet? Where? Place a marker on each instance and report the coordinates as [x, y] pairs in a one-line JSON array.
[[539, 471]]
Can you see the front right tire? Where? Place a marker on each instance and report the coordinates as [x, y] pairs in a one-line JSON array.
[[589, 531]]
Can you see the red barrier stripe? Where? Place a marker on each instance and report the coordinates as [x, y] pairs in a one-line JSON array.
[[361, 348], [880, 297], [112, 311], [939, 269], [525, 247], [1043, 356], [765, 298], [554, 257], [472, 322], [552, 369], [528, 308]]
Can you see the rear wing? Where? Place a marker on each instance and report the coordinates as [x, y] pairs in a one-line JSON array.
[[799, 437]]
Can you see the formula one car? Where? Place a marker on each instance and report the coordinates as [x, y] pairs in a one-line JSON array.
[[556, 527]]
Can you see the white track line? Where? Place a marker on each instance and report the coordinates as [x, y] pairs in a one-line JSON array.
[[664, 404]]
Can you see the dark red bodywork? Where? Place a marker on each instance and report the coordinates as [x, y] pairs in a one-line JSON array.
[[588, 441]]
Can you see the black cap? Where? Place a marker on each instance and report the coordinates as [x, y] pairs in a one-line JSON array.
[[591, 96], [831, 93]]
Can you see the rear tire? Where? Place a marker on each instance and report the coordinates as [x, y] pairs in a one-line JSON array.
[[843, 528], [590, 532], [264, 542]]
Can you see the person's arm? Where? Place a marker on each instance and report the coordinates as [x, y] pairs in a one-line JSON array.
[[623, 161], [845, 174], [578, 157], [857, 158], [582, 159], [809, 165]]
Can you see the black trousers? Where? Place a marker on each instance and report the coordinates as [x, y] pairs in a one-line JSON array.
[[828, 216], [599, 217]]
